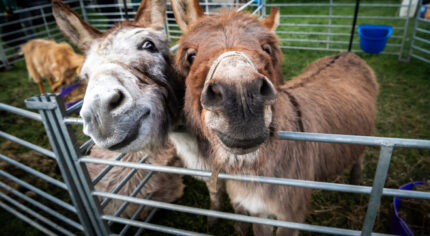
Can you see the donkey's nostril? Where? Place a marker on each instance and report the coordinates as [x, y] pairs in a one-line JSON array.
[[266, 89], [213, 95], [116, 99]]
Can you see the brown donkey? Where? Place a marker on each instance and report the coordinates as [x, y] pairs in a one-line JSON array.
[[133, 95], [236, 102]]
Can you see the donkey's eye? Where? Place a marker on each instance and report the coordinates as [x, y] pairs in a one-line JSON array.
[[191, 54], [147, 45], [267, 49]]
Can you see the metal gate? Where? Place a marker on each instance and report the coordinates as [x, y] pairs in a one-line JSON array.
[[420, 46], [89, 210]]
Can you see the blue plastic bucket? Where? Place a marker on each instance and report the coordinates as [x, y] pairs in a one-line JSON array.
[[373, 38], [397, 225]]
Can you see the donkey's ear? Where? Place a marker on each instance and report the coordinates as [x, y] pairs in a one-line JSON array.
[[77, 31], [186, 12], [151, 13], [272, 21]]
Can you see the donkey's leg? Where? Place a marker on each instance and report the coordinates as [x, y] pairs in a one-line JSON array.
[[242, 228], [216, 199], [262, 229], [50, 80], [355, 174]]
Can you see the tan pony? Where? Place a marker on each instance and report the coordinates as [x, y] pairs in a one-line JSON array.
[[55, 61], [236, 102], [133, 95]]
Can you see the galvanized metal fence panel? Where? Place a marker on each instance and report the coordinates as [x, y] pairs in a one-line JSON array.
[[326, 25], [420, 45], [46, 217], [25, 24], [52, 104]]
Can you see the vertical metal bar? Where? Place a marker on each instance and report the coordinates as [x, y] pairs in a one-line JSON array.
[[206, 7], [264, 9], [125, 9], [378, 185], [75, 175], [330, 13], [405, 31], [166, 27], [3, 57], [354, 22], [414, 33], [84, 12], [45, 22]]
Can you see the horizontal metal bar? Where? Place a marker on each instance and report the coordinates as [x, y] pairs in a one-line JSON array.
[[355, 139], [106, 170], [29, 145], [75, 107], [134, 193], [158, 228], [420, 58], [334, 5], [423, 20], [421, 49], [325, 26], [122, 182], [231, 216], [136, 214], [73, 121], [331, 49], [148, 218], [325, 34], [263, 179], [344, 17], [41, 206], [423, 30], [83, 148], [38, 191], [27, 219], [422, 40], [41, 6], [34, 172], [21, 112], [35, 214]]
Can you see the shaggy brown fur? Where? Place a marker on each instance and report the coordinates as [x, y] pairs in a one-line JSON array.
[[335, 94], [46, 58], [165, 187]]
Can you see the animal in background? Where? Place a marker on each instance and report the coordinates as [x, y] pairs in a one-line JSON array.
[[236, 101], [55, 61]]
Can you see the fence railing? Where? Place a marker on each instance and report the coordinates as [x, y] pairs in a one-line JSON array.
[[323, 26], [420, 43], [89, 209]]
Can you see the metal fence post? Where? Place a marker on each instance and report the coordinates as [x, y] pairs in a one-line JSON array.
[[62, 140], [3, 57], [329, 23], [378, 185], [45, 22], [405, 31], [414, 32], [84, 12]]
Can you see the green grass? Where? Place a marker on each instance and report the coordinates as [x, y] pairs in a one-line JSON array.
[[403, 111]]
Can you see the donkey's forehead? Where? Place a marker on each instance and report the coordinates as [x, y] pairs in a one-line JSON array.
[[126, 37]]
